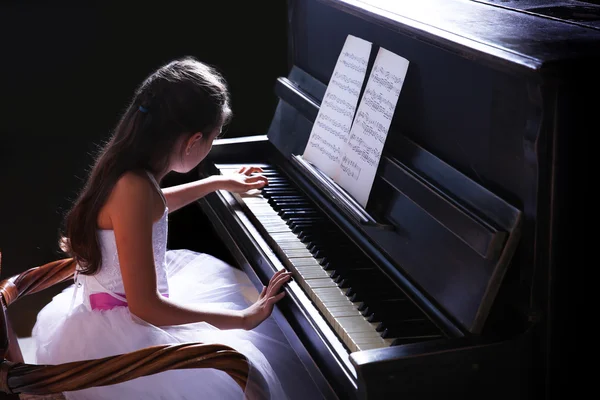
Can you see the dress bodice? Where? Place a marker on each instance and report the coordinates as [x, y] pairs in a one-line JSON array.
[[109, 275], [109, 279]]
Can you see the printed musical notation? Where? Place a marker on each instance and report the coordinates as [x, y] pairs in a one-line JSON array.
[[346, 142], [329, 135], [350, 167], [370, 128]]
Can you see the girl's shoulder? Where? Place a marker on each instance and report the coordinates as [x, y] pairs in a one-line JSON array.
[[133, 180], [133, 187], [130, 197]]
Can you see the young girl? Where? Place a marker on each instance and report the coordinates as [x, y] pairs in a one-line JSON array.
[[129, 291]]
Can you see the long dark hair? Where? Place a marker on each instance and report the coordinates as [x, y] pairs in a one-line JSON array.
[[182, 97]]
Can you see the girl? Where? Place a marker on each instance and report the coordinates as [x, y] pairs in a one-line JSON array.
[[129, 291]]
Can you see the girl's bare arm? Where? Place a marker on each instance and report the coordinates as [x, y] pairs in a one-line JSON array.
[[133, 208], [182, 195]]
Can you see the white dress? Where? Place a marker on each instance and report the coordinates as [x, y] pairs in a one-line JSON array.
[[76, 326]]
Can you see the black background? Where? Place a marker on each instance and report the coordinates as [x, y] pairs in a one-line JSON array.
[[68, 71]]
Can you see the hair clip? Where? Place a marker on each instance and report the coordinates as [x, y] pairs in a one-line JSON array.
[[143, 109]]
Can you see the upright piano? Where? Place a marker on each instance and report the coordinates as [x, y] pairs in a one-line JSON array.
[[443, 284]]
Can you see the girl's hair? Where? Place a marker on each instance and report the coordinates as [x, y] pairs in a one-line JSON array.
[[181, 98]]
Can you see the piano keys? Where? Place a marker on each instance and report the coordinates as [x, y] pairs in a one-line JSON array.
[[352, 294], [441, 285]]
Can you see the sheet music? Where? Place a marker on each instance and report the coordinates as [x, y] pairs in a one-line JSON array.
[[369, 131], [327, 141]]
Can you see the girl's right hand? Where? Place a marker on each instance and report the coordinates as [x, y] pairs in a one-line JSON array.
[[243, 180], [261, 310]]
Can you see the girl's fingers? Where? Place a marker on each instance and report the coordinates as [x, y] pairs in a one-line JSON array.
[[263, 292], [274, 279], [253, 169], [274, 299], [276, 286], [249, 170], [276, 275], [256, 185], [257, 178], [282, 276]]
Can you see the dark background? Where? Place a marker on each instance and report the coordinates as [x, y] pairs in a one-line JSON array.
[[69, 70]]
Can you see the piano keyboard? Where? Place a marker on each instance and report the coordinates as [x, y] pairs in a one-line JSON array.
[[356, 299]]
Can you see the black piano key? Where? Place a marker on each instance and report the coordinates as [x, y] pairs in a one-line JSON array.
[[288, 213], [284, 186], [298, 231], [307, 224], [293, 215], [268, 192], [289, 203], [282, 199], [321, 228], [317, 253], [324, 262], [307, 218], [271, 174], [278, 183], [278, 205], [288, 206], [291, 211]]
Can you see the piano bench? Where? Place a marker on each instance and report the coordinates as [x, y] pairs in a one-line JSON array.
[[29, 381]]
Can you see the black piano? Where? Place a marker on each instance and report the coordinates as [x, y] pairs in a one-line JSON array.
[[442, 285]]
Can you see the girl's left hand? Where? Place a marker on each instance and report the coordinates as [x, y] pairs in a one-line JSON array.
[[243, 180], [263, 307]]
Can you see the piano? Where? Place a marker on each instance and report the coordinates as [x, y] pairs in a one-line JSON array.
[[442, 284]]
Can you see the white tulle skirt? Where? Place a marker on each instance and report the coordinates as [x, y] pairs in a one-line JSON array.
[[63, 334]]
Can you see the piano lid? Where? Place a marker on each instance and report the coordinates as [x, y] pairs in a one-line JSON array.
[[580, 12], [461, 166], [498, 36]]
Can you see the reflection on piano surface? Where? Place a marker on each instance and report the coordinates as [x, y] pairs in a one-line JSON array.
[[441, 285]]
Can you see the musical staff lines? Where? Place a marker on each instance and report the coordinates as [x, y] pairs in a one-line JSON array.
[[350, 168], [346, 142], [370, 128], [334, 120]]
